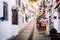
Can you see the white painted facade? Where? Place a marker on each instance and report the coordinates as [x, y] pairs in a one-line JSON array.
[[1, 6], [57, 20], [8, 30]]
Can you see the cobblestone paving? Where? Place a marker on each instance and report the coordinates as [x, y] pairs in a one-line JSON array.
[[31, 33], [39, 35]]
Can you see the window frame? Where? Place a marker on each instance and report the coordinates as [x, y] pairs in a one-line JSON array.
[[5, 10], [14, 17]]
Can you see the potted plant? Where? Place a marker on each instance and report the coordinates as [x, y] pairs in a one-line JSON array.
[[52, 32]]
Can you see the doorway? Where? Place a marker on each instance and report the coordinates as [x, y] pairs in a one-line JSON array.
[[14, 16]]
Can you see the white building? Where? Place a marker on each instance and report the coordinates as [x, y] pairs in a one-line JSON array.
[[7, 29], [57, 15], [54, 14]]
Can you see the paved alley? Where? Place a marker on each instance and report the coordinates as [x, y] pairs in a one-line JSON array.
[[40, 35], [31, 33], [27, 33]]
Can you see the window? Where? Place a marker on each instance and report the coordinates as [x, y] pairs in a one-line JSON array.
[[18, 2], [55, 17], [58, 17], [5, 11], [14, 16], [49, 16]]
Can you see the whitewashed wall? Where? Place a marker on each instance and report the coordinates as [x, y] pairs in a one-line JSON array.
[[21, 20], [55, 14], [6, 28], [59, 25], [1, 6], [55, 20]]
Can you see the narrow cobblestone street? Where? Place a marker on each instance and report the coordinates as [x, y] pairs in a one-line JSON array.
[[31, 33]]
